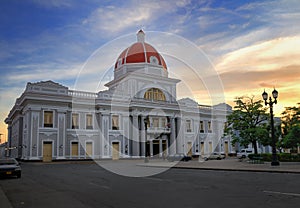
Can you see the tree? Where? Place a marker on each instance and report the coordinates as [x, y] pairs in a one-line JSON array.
[[292, 139], [291, 127], [247, 123], [290, 118]]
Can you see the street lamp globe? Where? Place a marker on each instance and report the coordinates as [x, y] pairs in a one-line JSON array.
[[265, 95], [275, 94]]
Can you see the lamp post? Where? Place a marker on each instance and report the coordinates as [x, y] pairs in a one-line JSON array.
[[146, 126], [275, 161]]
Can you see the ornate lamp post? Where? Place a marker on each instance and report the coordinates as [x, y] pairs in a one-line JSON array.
[[275, 161], [146, 120]]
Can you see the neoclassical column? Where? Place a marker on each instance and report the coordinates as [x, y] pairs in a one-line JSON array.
[[160, 148], [180, 136], [126, 126], [143, 139], [151, 148], [135, 136], [172, 149]]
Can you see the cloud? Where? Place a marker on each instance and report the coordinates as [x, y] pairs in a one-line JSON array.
[[263, 65], [53, 3], [285, 79], [20, 74], [246, 25], [116, 18], [280, 77], [113, 19], [264, 56]]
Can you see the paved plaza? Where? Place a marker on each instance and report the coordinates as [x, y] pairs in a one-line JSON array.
[[91, 183]]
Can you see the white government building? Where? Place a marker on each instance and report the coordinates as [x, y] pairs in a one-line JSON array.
[[137, 115]]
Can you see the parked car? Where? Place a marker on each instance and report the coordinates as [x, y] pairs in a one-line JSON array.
[[178, 157], [244, 153], [214, 156], [10, 167]]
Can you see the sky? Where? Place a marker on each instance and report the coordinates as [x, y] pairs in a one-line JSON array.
[[252, 45]]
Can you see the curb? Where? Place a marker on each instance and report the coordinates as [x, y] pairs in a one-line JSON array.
[[239, 169], [219, 169]]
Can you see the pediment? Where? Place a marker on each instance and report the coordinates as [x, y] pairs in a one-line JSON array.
[[48, 83], [188, 102], [47, 87]]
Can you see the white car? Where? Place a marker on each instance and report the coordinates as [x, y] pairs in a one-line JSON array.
[[214, 156], [244, 153]]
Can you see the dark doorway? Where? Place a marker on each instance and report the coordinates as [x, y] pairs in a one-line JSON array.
[[156, 148]]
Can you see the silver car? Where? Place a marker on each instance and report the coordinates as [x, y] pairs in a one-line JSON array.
[[214, 156]]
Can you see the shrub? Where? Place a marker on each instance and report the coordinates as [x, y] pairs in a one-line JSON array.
[[282, 157]]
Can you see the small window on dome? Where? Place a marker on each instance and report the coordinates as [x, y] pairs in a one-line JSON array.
[[119, 62], [153, 60]]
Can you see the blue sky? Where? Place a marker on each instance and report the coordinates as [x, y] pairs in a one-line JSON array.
[[255, 42]]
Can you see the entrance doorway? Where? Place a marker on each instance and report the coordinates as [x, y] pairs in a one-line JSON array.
[[74, 149], [115, 151], [155, 148], [226, 149], [189, 150], [89, 149], [202, 148], [47, 151]]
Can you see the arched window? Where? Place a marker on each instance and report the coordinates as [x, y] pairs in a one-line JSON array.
[[155, 94]]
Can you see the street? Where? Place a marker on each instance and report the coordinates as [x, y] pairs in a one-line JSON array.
[[86, 184]]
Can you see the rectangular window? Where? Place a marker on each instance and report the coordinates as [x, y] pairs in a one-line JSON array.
[[75, 121], [163, 122], [48, 119], [155, 122], [209, 127], [201, 127], [115, 122], [188, 125], [89, 121]]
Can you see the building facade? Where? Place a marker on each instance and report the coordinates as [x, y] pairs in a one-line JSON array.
[[137, 116]]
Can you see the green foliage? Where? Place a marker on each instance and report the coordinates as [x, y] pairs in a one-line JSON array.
[[247, 119], [282, 157], [290, 118], [291, 127], [292, 139]]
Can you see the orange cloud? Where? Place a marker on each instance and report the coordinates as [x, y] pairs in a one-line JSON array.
[[273, 63]]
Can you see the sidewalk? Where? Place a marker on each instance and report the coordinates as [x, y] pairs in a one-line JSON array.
[[229, 164]]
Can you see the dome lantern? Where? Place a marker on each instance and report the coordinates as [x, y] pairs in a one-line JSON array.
[[140, 36]]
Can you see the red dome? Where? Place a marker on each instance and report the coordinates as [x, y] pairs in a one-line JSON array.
[[140, 52]]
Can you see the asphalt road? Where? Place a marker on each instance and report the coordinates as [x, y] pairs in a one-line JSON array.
[[88, 185]]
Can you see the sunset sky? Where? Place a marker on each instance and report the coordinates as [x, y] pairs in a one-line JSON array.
[[252, 45]]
